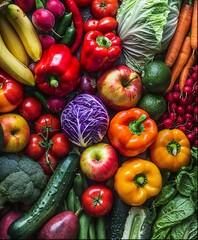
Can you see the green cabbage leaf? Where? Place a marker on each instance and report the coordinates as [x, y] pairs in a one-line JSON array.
[[146, 28]]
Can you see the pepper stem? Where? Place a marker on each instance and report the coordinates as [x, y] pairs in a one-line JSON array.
[[140, 180], [53, 82], [136, 126], [103, 41], [173, 147]]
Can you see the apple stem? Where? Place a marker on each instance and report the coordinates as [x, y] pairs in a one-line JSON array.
[[130, 80]]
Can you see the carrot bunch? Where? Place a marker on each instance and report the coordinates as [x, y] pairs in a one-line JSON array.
[[182, 50]]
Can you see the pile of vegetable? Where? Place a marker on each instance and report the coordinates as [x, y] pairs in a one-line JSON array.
[[98, 119]]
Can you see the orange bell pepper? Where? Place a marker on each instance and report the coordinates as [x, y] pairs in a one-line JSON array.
[[132, 131], [137, 180], [170, 150]]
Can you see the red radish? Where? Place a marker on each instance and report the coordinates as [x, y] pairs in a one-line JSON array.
[[195, 68], [46, 41], [191, 137], [87, 84], [172, 116], [43, 20], [167, 123], [6, 221], [189, 108], [194, 76], [189, 125], [195, 130], [188, 117], [176, 87], [195, 143], [180, 110], [180, 120], [169, 97], [64, 225], [176, 96], [25, 5], [172, 107], [189, 82], [56, 104], [182, 101], [182, 128], [56, 7]]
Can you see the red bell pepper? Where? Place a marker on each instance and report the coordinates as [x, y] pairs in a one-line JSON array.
[[58, 71], [99, 51]]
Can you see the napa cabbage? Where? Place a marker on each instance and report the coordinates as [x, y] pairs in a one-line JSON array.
[[146, 28]]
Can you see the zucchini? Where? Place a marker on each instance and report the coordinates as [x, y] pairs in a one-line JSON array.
[[47, 205], [127, 222]]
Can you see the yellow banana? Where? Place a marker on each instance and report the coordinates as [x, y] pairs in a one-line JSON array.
[[25, 29], [12, 41], [16, 69]]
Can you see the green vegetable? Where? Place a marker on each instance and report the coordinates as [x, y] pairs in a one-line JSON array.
[[145, 28], [137, 225], [48, 203], [39, 95], [178, 209], [85, 220], [21, 179], [71, 200], [100, 228], [92, 229], [117, 218], [187, 229], [69, 36]]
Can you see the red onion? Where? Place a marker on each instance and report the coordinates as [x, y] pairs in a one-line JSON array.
[[56, 104], [87, 85]]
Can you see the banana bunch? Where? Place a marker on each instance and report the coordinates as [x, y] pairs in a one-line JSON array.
[[18, 42]]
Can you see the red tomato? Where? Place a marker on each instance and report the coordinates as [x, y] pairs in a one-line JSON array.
[[97, 200], [11, 93], [83, 3], [104, 8], [107, 24], [30, 108], [47, 124], [90, 25], [48, 162], [34, 148], [61, 145]]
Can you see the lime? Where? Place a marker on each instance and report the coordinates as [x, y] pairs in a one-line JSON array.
[[154, 104], [156, 77], [1, 137]]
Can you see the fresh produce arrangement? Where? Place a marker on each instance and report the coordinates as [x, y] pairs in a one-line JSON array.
[[98, 119]]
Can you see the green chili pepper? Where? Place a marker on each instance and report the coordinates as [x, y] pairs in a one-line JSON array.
[[39, 4], [65, 22], [69, 36]]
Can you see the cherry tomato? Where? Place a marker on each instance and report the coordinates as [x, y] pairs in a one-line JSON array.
[[34, 148], [30, 108], [11, 93], [83, 3], [47, 124], [90, 25], [104, 8], [60, 145], [97, 200], [48, 162], [107, 24]]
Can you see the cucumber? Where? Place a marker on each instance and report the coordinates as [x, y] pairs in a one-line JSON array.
[[127, 222], [137, 225], [1, 138], [116, 219], [46, 206]]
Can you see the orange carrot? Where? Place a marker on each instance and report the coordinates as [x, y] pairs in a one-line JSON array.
[[183, 25], [180, 62], [194, 26], [185, 72]]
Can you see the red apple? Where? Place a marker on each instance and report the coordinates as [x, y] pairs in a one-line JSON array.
[[99, 162], [120, 88], [16, 132]]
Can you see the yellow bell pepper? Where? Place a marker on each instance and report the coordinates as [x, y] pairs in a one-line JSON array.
[[170, 150], [136, 180]]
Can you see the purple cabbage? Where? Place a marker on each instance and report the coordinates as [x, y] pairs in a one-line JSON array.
[[85, 120]]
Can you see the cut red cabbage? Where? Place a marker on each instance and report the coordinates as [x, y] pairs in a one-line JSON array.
[[85, 120]]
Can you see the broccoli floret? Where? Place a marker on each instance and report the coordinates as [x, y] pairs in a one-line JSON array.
[[21, 179]]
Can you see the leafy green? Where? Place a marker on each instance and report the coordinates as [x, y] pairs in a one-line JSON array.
[[171, 214], [145, 28], [187, 229]]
